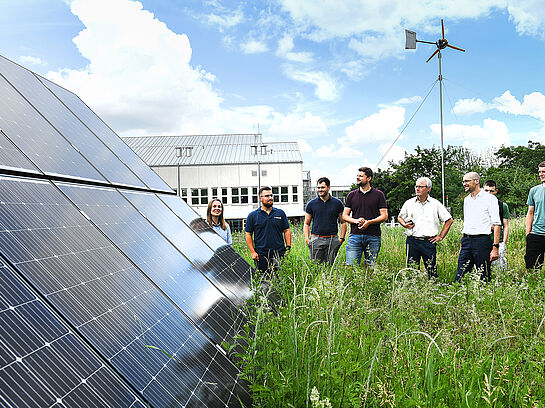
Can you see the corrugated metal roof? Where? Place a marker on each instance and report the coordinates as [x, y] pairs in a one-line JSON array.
[[212, 149]]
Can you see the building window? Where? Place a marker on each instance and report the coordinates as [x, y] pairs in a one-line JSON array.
[[276, 197], [255, 199], [199, 196], [284, 197], [183, 194], [239, 195], [263, 173], [222, 197], [295, 196], [236, 225], [254, 173]]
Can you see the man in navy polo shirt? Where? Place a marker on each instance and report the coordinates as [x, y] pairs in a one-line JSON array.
[[365, 209], [270, 227], [324, 211]]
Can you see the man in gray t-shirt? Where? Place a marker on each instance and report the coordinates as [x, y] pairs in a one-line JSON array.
[[535, 223]]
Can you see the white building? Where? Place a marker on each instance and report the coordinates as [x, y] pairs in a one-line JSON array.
[[230, 167]]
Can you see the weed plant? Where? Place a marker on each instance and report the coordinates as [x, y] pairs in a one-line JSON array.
[[390, 337]]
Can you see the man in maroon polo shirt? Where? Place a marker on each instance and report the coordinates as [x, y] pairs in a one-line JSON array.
[[365, 209]]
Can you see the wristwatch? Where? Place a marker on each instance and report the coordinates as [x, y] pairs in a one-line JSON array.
[[496, 245]]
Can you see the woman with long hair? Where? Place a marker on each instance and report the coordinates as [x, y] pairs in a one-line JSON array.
[[214, 216]]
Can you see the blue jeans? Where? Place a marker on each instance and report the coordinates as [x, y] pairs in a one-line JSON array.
[[475, 250], [359, 244], [422, 248]]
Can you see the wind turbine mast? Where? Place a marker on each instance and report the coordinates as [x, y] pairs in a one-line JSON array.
[[441, 44]]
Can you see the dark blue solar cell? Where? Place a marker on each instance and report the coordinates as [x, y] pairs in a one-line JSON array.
[[68, 125], [165, 264], [38, 140], [11, 158], [42, 364]]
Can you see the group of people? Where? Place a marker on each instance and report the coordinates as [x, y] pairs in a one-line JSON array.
[[485, 228]]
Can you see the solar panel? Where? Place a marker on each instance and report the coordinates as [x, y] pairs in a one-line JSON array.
[[38, 140], [196, 242], [108, 137], [109, 301], [236, 278], [110, 295], [67, 124], [175, 274], [43, 362]]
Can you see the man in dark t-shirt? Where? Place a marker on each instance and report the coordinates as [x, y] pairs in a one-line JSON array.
[[365, 209], [324, 211], [266, 230]]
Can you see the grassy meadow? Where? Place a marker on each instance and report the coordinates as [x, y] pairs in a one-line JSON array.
[[344, 337]]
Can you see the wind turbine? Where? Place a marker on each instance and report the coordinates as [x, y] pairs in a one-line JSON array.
[[441, 44]]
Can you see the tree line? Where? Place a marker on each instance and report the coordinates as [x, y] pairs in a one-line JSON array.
[[513, 168]]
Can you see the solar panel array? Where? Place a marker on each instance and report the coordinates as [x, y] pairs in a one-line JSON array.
[[113, 292]]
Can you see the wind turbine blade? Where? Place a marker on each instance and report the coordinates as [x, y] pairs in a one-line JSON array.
[[443, 29], [456, 48], [433, 55]]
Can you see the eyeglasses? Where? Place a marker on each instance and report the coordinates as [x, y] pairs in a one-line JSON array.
[[266, 195], [541, 172], [420, 186]]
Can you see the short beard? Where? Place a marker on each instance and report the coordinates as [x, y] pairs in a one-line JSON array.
[[267, 205]]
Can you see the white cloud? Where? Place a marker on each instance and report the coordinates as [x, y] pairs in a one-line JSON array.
[[141, 81], [383, 45], [355, 70], [532, 105], [139, 76], [470, 106], [285, 47], [383, 125], [492, 133], [304, 147], [375, 30], [30, 60], [395, 154], [528, 16], [226, 20], [254, 47], [342, 152], [296, 125], [408, 101], [326, 86]]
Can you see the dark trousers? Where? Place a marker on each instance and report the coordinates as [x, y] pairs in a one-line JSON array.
[[535, 248], [269, 262], [475, 251], [422, 249]]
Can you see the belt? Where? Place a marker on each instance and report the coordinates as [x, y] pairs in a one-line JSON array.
[[324, 236], [476, 235], [421, 238]]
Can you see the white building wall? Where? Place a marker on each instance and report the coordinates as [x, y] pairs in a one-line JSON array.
[[281, 176]]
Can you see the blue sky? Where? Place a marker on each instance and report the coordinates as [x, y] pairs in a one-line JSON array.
[[332, 75]]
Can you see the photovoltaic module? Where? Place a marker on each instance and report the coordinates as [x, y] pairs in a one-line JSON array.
[[113, 292]]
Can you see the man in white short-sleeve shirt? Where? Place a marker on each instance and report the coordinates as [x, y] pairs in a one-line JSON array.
[[422, 216], [481, 212]]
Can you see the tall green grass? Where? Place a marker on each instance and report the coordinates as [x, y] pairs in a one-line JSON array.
[[392, 338]]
